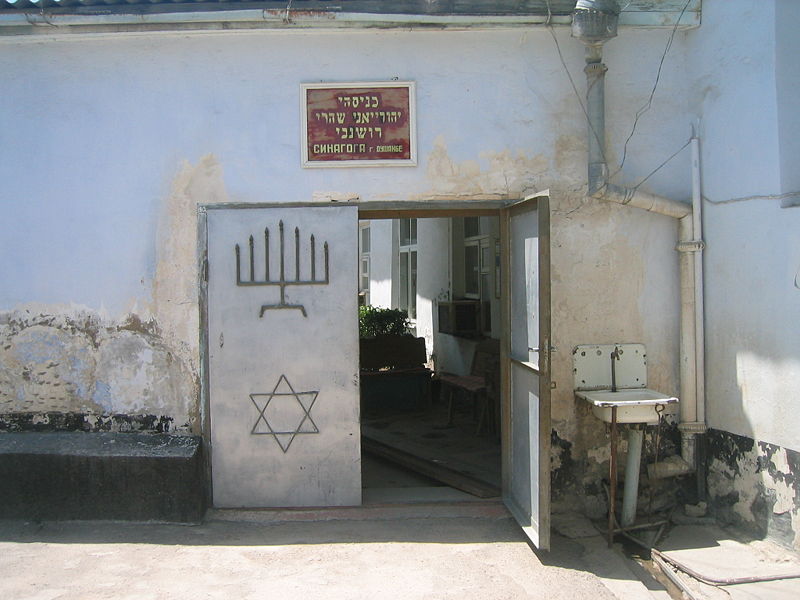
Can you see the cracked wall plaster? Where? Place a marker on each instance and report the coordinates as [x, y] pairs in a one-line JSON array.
[[66, 360], [175, 286], [505, 173], [626, 257], [755, 485], [72, 362]]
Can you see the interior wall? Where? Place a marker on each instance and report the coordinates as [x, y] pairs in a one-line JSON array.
[[380, 280], [433, 281]]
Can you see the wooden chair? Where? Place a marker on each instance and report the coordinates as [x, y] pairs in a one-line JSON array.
[[476, 386]]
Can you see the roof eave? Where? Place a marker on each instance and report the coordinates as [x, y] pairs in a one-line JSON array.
[[106, 19]]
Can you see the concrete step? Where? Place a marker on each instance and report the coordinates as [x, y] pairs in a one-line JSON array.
[[482, 509]]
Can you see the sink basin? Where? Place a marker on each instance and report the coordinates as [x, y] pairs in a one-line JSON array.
[[633, 405]]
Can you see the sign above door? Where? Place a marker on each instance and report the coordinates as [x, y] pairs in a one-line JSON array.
[[369, 124]]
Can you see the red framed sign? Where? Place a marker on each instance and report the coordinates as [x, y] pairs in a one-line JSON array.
[[358, 124]]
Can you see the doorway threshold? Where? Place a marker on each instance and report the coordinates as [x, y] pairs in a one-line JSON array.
[[415, 495], [450, 471], [393, 511], [438, 445]]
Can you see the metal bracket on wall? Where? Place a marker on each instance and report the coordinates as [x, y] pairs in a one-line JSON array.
[[282, 282]]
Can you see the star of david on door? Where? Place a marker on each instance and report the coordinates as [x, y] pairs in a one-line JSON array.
[[284, 413]]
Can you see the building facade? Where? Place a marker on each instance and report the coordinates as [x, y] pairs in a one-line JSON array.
[[122, 128]]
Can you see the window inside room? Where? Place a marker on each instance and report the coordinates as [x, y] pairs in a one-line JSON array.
[[407, 267], [478, 266], [363, 262]]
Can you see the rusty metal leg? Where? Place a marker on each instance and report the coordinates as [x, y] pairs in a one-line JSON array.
[[612, 477]]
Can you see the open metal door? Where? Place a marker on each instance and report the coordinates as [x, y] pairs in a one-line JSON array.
[[526, 366], [282, 355]]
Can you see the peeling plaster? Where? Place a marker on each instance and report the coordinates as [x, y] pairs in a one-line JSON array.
[[756, 486], [175, 287], [590, 243], [600, 454], [502, 173], [138, 375], [562, 469], [61, 361], [67, 360], [45, 368], [569, 152]]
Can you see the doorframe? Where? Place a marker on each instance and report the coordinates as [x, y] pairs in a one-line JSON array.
[[367, 209]]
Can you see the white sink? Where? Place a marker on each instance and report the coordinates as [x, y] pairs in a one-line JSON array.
[[634, 405]]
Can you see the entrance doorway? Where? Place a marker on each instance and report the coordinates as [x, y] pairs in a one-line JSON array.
[[430, 394], [280, 349]]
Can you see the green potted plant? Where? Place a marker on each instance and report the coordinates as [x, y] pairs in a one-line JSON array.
[[374, 321]]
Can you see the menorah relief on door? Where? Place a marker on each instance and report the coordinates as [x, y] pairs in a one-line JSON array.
[[282, 282]]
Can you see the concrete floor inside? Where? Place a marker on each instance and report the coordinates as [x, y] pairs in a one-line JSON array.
[[417, 456]]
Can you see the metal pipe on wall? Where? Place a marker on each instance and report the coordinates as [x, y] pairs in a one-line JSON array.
[[594, 23], [699, 292], [688, 341]]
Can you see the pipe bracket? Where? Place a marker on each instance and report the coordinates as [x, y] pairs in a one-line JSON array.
[[691, 246], [692, 428], [595, 69]]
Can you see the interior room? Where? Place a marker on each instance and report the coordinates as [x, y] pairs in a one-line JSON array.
[[429, 318]]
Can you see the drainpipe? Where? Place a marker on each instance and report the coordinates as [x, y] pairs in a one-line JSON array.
[[594, 23], [699, 319], [697, 428]]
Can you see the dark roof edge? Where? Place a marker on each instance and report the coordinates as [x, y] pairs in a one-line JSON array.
[[154, 16], [299, 7]]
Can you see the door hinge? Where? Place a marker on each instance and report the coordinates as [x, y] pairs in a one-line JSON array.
[[545, 350]]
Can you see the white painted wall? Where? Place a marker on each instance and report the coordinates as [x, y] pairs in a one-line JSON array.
[[109, 143], [732, 91], [112, 119], [433, 278], [745, 90], [787, 75]]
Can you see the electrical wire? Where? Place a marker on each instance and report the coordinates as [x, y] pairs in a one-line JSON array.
[[647, 105], [659, 167], [642, 110], [572, 81]]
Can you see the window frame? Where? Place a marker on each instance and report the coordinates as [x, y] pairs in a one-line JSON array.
[[407, 276]]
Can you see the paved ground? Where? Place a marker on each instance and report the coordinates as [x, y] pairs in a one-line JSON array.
[[718, 555], [408, 558]]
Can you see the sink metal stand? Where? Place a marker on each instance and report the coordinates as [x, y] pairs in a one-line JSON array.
[[632, 469]]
